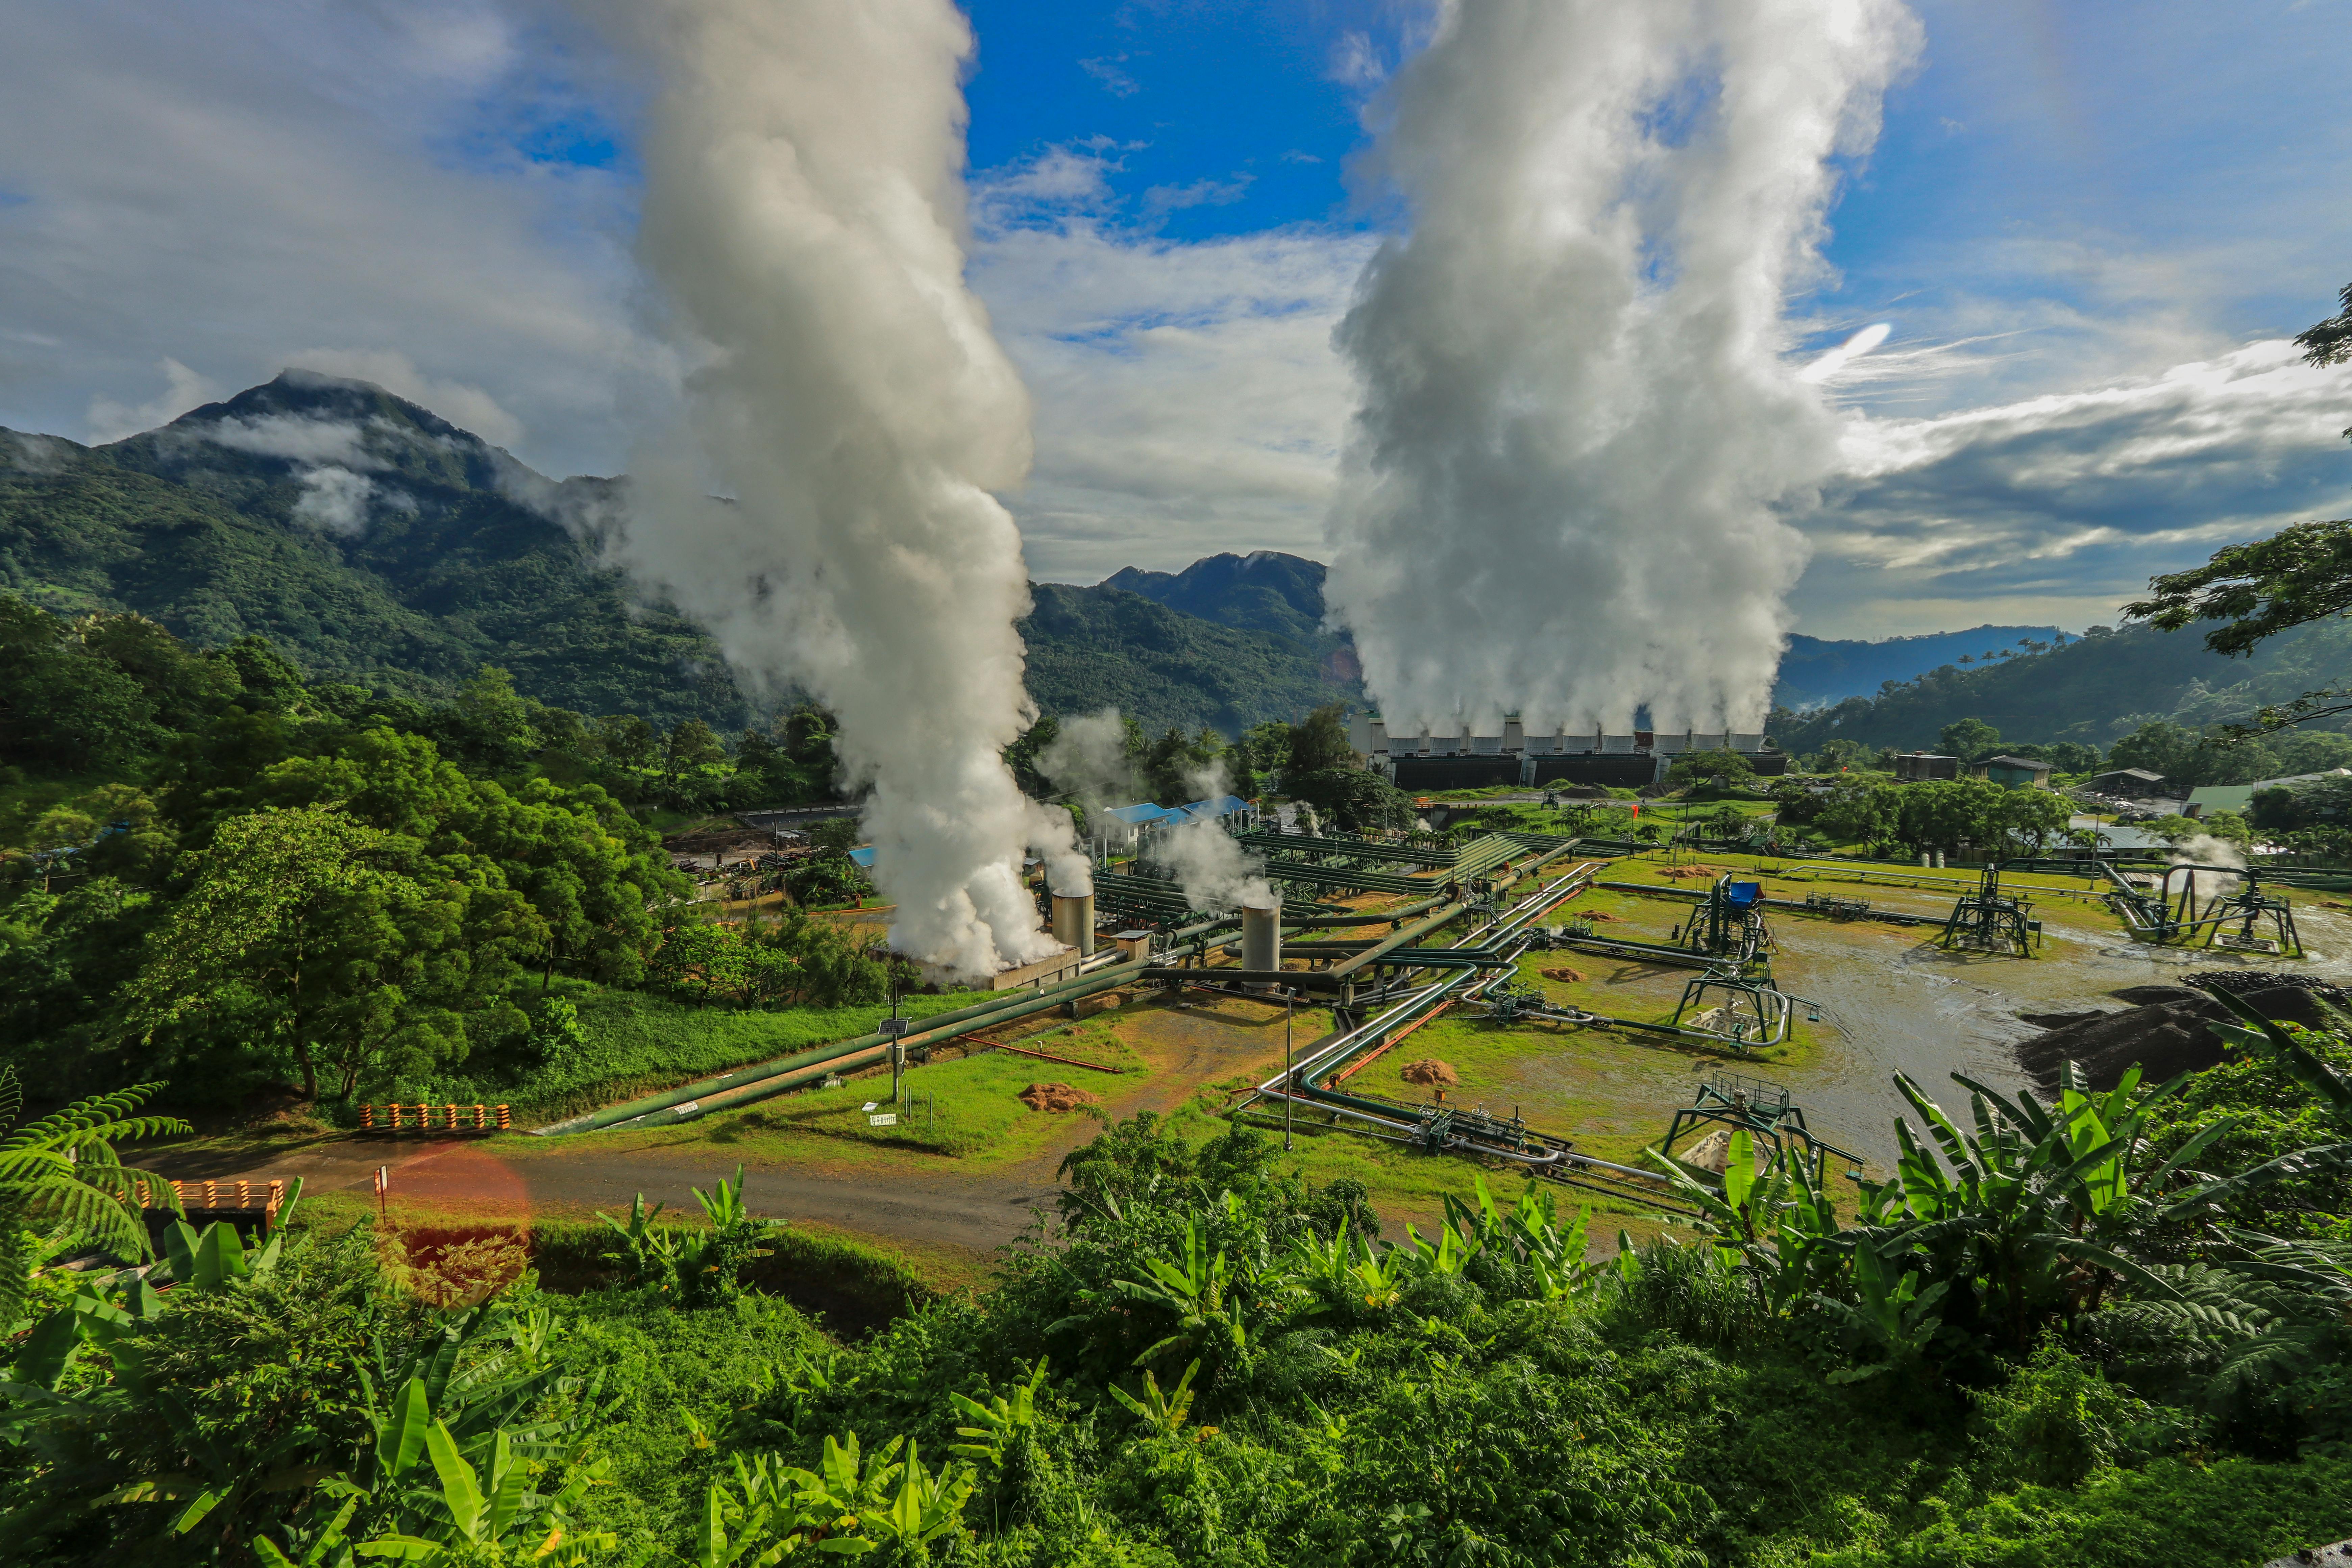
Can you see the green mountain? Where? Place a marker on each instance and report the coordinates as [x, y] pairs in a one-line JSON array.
[[1263, 591], [1816, 671], [1168, 669], [2093, 691], [372, 541], [379, 544]]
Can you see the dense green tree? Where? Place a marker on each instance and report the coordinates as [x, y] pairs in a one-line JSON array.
[[1022, 755], [490, 726], [1352, 799], [1858, 810], [316, 930], [1970, 740], [689, 747], [1321, 741], [628, 741], [63, 705], [1178, 769], [1725, 767]]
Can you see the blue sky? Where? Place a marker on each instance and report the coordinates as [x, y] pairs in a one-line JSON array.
[[2081, 222]]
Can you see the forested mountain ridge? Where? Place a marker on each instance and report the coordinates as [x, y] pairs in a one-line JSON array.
[[378, 544], [1816, 671], [2093, 689], [375, 543], [1263, 591], [1093, 647]]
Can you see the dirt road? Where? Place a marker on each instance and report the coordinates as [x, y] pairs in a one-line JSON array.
[[954, 1206]]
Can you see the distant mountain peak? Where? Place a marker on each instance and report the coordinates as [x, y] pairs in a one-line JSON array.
[[316, 397]]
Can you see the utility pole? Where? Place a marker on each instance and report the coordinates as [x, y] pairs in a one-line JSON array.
[[896, 1027], [1289, 1086]]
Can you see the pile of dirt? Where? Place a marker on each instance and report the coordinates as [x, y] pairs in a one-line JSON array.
[[2061, 1020], [1430, 1073], [1690, 871], [2242, 982], [1604, 915], [2167, 1034], [1056, 1097], [1565, 976]]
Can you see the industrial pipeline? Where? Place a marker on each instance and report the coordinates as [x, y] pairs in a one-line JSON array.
[[1311, 1084]]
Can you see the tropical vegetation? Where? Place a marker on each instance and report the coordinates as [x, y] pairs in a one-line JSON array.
[[2085, 1329]]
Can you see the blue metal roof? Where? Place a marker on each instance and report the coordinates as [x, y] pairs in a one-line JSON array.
[[1223, 805], [863, 856], [1138, 815]]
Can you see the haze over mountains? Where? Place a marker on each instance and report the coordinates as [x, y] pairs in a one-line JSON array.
[[381, 545]]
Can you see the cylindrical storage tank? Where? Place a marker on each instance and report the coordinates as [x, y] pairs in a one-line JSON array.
[[1074, 921], [1262, 938]]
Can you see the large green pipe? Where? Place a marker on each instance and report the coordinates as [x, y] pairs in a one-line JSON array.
[[1408, 937], [975, 1016], [853, 1055], [1319, 921], [1003, 1009]]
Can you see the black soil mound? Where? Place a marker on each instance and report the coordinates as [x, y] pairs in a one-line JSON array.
[[2167, 1035]]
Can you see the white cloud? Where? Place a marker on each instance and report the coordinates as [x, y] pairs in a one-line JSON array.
[[465, 405], [1356, 62], [1114, 81], [232, 188], [1188, 397], [1163, 199], [292, 436], [183, 389], [335, 500], [2065, 503]]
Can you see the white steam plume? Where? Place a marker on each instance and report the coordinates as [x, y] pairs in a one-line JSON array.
[[803, 216], [1558, 494], [1216, 874], [1087, 758]]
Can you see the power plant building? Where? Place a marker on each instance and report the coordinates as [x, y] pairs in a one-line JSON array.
[[1471, 761]]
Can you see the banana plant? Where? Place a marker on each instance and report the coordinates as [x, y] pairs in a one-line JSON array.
[[1380, 1278], [1212, 1302], [758, 1540], [1330, 1263], [2035, 1204], [1529, 1231], [652, 1252], [222, 1479], [1163, 1413], [890, 1500], [468, 1512], [1448, 1257], [327, 1546], [1895, 1317], [999, 1424]]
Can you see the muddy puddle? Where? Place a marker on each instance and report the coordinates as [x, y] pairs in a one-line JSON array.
[[1891, 1001]]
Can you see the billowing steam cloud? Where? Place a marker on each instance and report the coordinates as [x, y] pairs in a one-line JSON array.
[[804, 215], [1087, 758], [1216, 874], [1559, 491]]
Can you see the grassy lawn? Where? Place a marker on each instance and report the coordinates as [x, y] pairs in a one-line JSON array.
[[967, 1110], [639, 1041]]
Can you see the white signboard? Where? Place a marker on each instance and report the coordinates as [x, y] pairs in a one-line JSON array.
[[887, 1119]]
